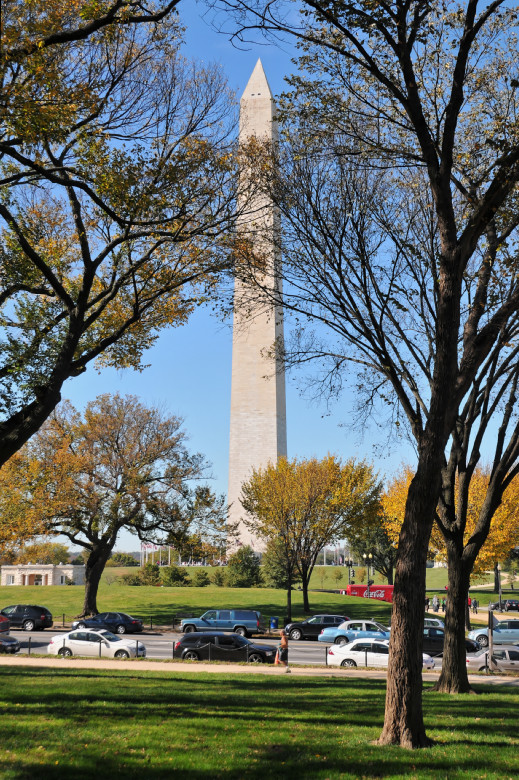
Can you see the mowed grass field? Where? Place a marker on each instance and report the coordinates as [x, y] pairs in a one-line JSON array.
[[160, 606], [148, 725]]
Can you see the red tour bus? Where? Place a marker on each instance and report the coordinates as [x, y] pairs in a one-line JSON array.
[[381, 592]]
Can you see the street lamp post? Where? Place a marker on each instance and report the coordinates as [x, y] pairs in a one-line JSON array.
[[499, 583], [368, 557]]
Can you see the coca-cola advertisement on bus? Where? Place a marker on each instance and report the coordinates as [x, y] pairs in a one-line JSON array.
[[380, 592]]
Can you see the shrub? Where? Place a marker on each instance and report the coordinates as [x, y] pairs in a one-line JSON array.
[[174, 576], [122, 559], [131, 579], [201, 579], [150, 574], [218, 578]]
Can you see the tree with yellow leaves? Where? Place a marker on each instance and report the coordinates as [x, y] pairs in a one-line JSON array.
[[504, 531], [117, 193], [306, 504]]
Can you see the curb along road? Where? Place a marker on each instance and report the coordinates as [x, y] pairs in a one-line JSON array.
[[221, 668]]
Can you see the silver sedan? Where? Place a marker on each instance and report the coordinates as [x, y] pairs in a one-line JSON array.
[[100, 644], [503, 657]]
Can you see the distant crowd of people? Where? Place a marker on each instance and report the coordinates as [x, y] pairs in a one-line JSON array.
[[440, 604]]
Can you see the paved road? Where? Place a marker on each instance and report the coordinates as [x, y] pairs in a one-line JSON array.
[[161, 645]]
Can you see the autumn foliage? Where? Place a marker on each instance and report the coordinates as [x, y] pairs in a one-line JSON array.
[[504, 533]]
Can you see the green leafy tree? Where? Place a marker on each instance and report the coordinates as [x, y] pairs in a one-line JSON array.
[[374, 539], [243, 569], [273, 566]]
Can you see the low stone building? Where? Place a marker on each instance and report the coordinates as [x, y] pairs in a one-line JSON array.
[[42, 574]]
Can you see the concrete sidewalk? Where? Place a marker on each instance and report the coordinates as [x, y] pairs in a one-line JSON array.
[[184, 667]]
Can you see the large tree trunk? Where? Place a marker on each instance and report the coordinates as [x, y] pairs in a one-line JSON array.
[[403, 723], [94, 569], [453, 677]]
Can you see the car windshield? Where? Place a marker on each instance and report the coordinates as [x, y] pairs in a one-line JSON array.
[[377, 626], [109, 636]]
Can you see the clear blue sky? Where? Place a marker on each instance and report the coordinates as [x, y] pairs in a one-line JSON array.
[[190, 368]]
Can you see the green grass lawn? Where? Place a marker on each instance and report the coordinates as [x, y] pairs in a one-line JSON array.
[[83, 724], [161, 604]]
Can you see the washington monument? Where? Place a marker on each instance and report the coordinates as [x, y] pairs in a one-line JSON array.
[[258, 411]]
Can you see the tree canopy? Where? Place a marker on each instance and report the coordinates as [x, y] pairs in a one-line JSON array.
[[120, 465], [117, 190], [306, 504]]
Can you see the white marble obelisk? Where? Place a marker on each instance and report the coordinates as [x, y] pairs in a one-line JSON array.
[[258, 432]]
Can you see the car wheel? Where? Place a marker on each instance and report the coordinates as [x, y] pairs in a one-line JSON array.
[[28, 625], [65, 651], [483, 640], [122, 654], [190, 655], [348, 662], [296, 634], [81, 625], [120, 629], [255, 658], [483, 669], [341, 640], [241, 630], [189, 629]]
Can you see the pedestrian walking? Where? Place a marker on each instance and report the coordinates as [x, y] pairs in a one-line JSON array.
[[475, 606], [435, 603], [427, 603], [444, 604], [282, 652]]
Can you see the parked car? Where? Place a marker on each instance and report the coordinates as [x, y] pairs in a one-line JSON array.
[[433, 623], [118, 622], [507, 605], [354, 629], [312, 627], [504, 657], [434, 638], [96, 643], [27, 616], [5, 625], [239, 621], [9, 644], [365, 652], [220, 646], [506, 632]]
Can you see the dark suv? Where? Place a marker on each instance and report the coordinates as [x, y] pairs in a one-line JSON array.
[[219, 646], [27, 616]]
